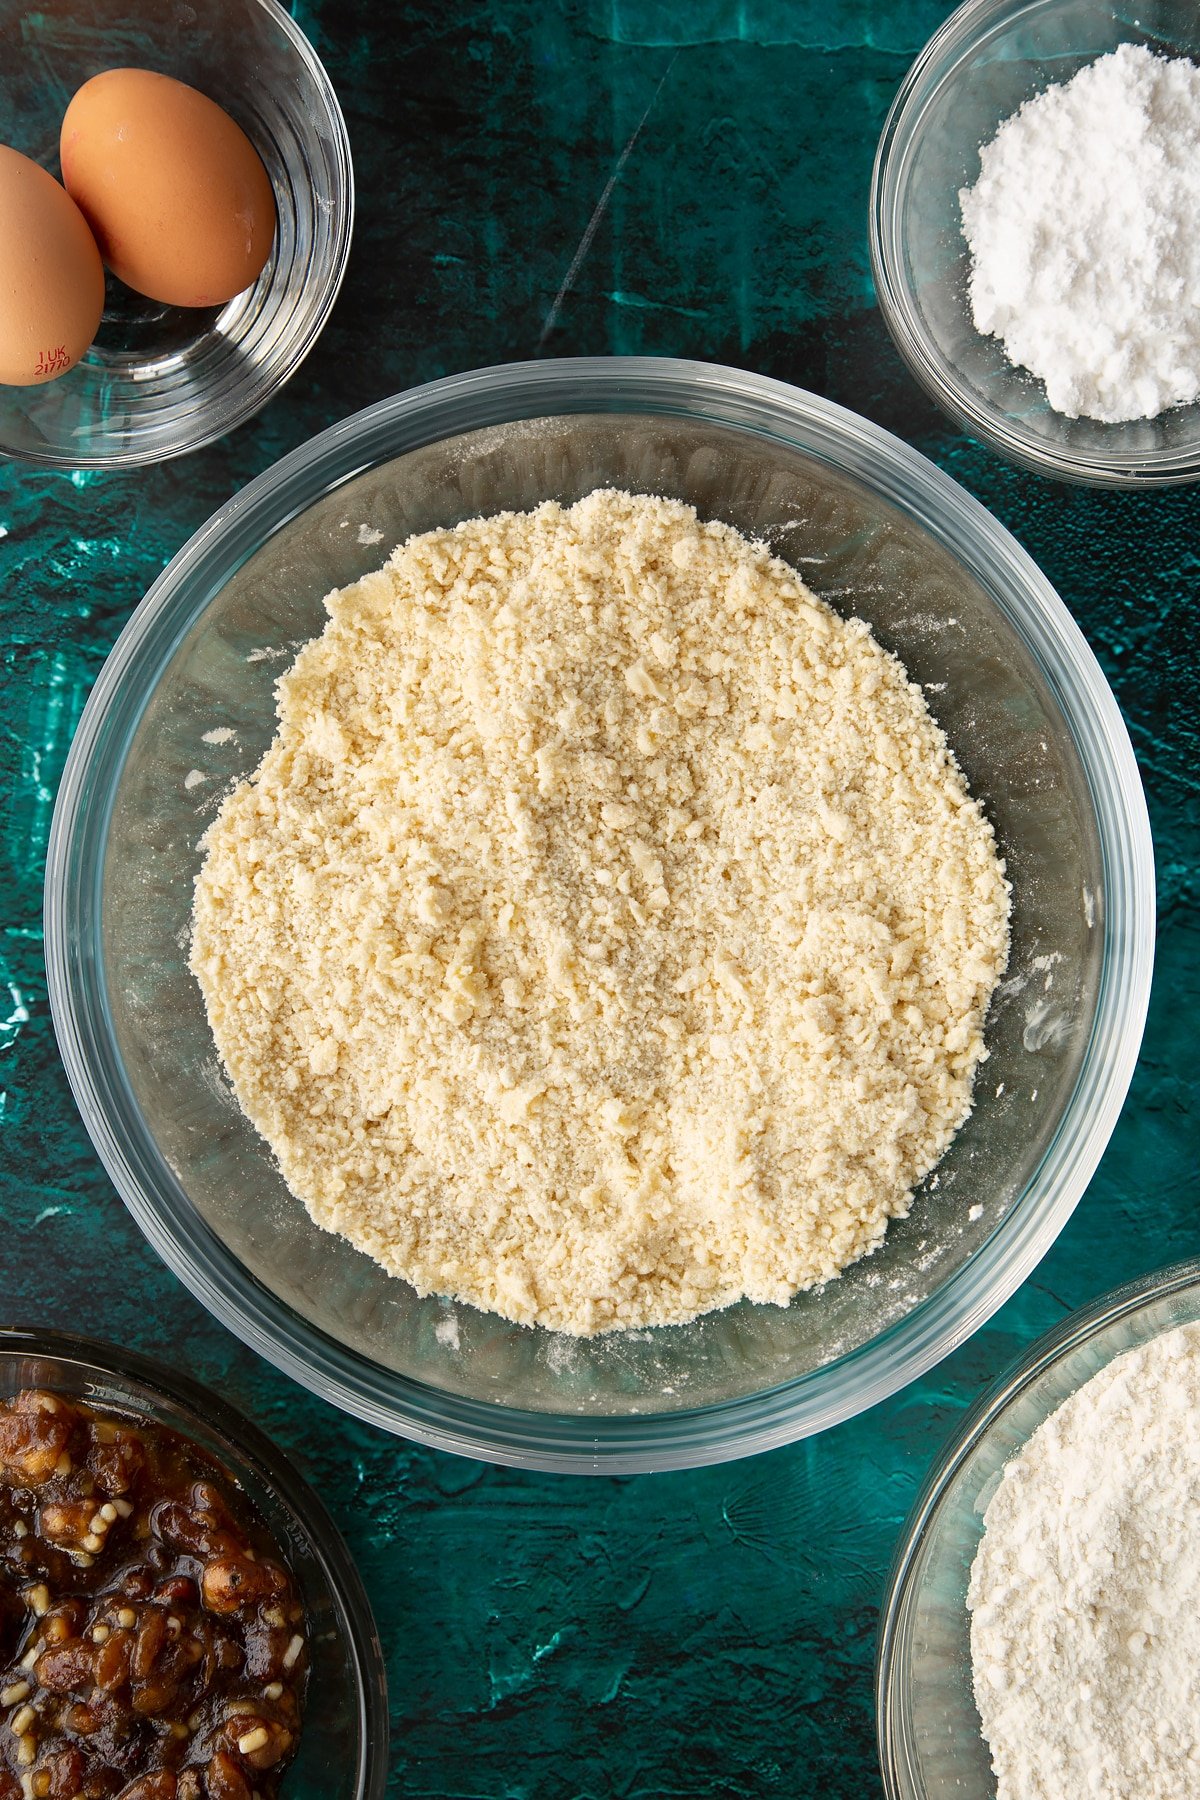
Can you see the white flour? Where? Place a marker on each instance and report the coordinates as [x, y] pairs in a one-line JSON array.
[[1085, 1592], [1084, 232]]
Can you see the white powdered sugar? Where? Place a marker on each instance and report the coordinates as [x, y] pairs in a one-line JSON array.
[[1085, 1591], [1084, 233]]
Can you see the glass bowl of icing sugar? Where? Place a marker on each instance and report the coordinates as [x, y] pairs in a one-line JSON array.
[[988, 61], [1039, 1570]]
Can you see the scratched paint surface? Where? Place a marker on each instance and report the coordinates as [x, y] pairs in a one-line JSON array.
[[673, 176]]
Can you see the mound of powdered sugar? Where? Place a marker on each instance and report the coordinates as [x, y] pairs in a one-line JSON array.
[[1085, 1591], [608, 932], [1084, 233]]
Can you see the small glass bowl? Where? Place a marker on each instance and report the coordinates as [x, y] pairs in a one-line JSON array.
[[185, 706], [931, 1745], [161, 380], [988, 59], [342, 1753]]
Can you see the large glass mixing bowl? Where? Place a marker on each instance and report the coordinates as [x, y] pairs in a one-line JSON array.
[[184, 707]]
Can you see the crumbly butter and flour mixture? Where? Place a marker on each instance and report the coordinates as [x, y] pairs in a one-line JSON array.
[[1085, 1591], [607, 933]]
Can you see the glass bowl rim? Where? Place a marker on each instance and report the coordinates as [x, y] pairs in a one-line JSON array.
[[1068, 1335], [764, 1418], [190, 1400], [935, 373], [256, 393]]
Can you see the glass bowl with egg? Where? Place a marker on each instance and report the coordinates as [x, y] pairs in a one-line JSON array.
[[160, 1444], [985, 62], [185, 708], [159, 378], [931, 1745]]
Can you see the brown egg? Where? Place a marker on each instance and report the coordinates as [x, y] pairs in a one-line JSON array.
[[51, 278], [174, 191]]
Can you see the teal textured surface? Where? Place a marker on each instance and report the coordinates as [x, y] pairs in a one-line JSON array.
[[684, 177]]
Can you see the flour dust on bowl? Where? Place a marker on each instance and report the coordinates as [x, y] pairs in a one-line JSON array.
[[1100, 1540], [184, 708], [987, 61]]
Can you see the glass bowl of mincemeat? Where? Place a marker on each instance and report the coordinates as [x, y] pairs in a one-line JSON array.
[[931, 1744], [987, 60], [185, 708], [179, 1615]]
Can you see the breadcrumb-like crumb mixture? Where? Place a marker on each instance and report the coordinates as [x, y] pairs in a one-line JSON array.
[[607, 934]]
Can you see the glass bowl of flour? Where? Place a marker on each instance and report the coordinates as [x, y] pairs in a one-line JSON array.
[[1079, 281], [1087, 1549], [186, 707]]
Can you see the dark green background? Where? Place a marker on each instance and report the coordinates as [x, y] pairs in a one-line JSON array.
[[707, 1633]]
